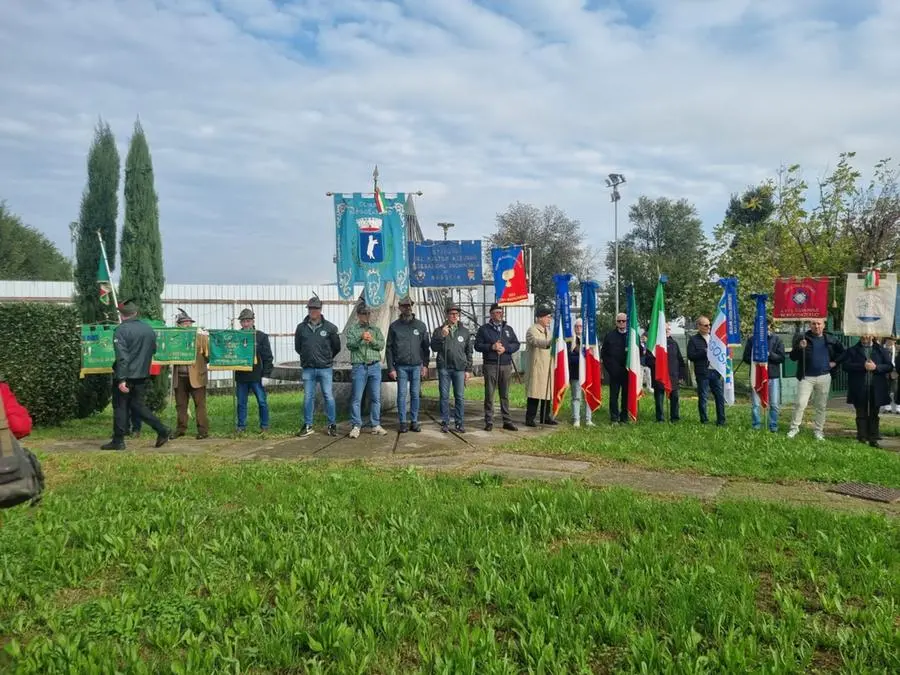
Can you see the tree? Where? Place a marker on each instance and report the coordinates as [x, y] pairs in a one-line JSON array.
[[666, 238], [142, 278], [556, 242], [99, 213], [26, 254]]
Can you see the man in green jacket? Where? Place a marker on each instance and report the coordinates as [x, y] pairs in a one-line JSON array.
[[365, 343], [135, 345], [452, 343]]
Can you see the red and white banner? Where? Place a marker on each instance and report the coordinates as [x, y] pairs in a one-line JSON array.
[[800, 299]]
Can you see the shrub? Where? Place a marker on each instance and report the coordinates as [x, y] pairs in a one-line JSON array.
[[40, 355]]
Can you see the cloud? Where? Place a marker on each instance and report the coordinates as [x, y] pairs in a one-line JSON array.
[[255, 108]]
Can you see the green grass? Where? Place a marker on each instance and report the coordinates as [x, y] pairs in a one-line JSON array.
[[154, 564]]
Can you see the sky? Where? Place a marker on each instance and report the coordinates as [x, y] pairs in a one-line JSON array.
[[254, 109]]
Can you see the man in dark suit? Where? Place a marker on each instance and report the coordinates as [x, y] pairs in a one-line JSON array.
[[612, 353]]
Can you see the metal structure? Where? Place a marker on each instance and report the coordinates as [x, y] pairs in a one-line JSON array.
[[613, 182]]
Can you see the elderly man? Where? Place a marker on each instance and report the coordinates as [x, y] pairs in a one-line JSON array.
[[408, 353], [817, 355], [612, 353], [251, 380], [189, 382], [676, 366], [365, 342], [317, 342], [708, 378], [868, 366], [452, 345], [540, 382], [498, 342]]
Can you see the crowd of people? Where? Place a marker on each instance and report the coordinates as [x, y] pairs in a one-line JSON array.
[[408, 347]]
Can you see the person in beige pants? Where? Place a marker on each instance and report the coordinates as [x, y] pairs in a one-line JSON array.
[[817, 355]]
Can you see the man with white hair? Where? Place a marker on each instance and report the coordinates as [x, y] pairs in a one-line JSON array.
[[575, 379]]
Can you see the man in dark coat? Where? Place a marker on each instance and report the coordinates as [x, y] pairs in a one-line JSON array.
[[776, 358], [676, 367], [452, 345], [317, 341], [407, 354], [708, 378], [251, 380], [497, 340], [867, 366], [612, 353], [135, 345]]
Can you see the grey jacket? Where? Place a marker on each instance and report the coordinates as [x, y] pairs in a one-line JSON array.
[[135, 344], [454, 352]]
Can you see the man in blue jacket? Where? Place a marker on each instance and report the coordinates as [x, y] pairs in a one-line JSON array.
[[317, 341], [498, 342]]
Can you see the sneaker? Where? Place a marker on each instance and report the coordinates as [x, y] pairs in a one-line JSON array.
[[819, 436], [591, 424], [200, 437], [460, 429], [576, 424], [307, 430], [445, 428], [332, 429], [415, 427], [403, 428], [379, 430], [792, 433], [354, 432]]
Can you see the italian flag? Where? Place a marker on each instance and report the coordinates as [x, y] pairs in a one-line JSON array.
[[633, 360], [656, 339], [104, 287], [560, 364], [873, 278], [379, 200]]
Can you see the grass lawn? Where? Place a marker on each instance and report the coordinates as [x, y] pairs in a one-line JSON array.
[[147, 564]]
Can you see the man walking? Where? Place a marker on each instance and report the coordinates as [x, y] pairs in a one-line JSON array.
[[365, 343], [776, 358], [408, 353], [189, 383], [251, 380], [676, 366], [135, 345], [575, 390], [708, 378], [497, 341], [317, 341], [817, 355], [612, 353], [452, 345], [539, 389]]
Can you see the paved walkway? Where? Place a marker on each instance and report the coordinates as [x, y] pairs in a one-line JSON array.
[[479, 451]]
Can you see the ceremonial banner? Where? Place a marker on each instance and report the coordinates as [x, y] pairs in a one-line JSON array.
[[510, 279], [98, 351], [232, 349], [590, 372], [717, 351], [175, 346], [870, 311], [759, 357], [371, 245], [563, 333], [657, 341], [800, 299], [632, 355], [445, 263]]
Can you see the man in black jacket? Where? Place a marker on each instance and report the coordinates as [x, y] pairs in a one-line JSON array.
[[776, 358], [676, 366], [135, 345], [708, 379], [497, 341], [317, 342], [251, 380], [817, 355], [452, 345], [612, 353], [408, 352]]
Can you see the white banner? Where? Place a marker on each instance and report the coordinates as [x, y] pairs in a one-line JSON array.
[[870, 311]]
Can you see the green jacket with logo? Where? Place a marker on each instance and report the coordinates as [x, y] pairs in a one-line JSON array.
[[408, 344], [360, 350], [453, 352], [317, 344]]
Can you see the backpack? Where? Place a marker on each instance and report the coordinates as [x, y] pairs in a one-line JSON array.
[[21, 477]]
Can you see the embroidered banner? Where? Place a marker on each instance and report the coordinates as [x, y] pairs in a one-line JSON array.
[[800, 299], [232, 349], [870, 311], [98, 352], [175, 346], [510, 279], [445, 263]]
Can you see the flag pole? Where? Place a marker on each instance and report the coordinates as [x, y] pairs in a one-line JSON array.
[[112, 286]]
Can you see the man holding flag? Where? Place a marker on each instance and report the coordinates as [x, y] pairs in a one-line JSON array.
[[708, 354], [539, 340], [663, 358], [764, 353]]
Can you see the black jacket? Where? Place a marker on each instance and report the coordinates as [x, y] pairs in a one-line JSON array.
[[488, 334], [612, 353], [575, 360], [697, 354], [676, 363], [262, 364], [776, 355], [854, 363], [317, 345], [135, 345], [453, 353], [407, 344], [802, 356]]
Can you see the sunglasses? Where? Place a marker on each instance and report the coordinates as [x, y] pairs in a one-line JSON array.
[[621, 320]]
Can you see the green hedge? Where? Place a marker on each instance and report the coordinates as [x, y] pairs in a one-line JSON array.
[[40, 355]]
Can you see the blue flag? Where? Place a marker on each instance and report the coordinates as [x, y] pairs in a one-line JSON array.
[[563, 305], [760, 353], [732, 316]]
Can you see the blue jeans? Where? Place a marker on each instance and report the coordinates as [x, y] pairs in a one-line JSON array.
[[323, 377], [713, 381], [366, 376], [408, 376], [243, 392], [458, 379], [774, 405]]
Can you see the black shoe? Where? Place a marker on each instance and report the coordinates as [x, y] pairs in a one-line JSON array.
[[530, 423], [415, 427], [488, 426], [332, 429], [403, 428], [177, 434], [509, 426], [305, 431], [112, 445], [460, 429], [161, 440], [200, 437], [445, 428], [875, 444], [550, 422]]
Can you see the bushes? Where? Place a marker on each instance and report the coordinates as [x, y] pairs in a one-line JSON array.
[[40, 355]]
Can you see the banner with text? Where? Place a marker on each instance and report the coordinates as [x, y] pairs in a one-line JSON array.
[[870, 311], [98, 352], [445, 263], [232, 349], [800, 299], [175, 346]]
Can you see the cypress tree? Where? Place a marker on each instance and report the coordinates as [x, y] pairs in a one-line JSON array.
[[142, 278], [99, 212]]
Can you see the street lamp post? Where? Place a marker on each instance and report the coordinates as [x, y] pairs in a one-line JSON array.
[[445, 227], [613, 182]]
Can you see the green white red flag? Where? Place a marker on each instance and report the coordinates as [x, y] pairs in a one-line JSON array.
[[656, 338]]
